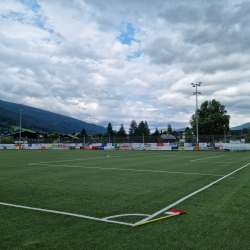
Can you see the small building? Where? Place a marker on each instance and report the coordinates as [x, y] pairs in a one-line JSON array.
[[94, 140], [26, 135], [68, 138], [179, 133], [168, 138], [239, 133]]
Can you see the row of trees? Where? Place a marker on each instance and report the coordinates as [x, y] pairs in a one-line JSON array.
[[134, 130], [212, 119]]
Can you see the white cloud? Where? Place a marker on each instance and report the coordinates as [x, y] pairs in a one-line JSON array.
[[66, 57]]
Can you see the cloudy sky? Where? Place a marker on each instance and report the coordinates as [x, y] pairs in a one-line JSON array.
[[118, 60]]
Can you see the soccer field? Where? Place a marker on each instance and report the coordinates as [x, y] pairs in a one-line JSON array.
[[93, 199]]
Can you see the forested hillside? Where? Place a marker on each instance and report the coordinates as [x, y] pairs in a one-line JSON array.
[[245, 125], [41, 120]]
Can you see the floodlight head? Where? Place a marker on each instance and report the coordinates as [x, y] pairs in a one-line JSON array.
[[192, 83]]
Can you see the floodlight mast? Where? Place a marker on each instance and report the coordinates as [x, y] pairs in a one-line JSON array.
[[196, 93], [20, 121]]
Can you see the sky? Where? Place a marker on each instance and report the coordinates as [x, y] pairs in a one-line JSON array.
[[115, 61]]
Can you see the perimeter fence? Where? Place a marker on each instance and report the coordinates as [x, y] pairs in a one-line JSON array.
[[129, 139]]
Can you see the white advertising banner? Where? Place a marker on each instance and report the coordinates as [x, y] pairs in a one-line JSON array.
[[109, 148], [189, 148], [203, 145], [138, 146], [161, 148], [233, 146], [219, 145]]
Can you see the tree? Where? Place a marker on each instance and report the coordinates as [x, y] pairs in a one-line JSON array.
[[147, 130], [97, 135], [170, 131], [212, 119], [133, 130], [110, 130], [161, 140], [122, 131], [188, 135], [143, 128], [156, 133], [55, 135], [83, 133], [7, 140], [247, 138]]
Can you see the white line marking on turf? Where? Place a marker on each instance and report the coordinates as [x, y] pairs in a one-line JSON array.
[[70, 214], [188, 196], [207, 158], [222, 162], [124, 169], [96, 158], [121, 215]]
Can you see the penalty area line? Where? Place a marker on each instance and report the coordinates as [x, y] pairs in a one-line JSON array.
[[188, 196], [207, 158], [124, 169], [69, 214], [96, 158]]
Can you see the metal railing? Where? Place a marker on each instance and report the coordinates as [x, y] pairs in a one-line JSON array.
[[128, 139]]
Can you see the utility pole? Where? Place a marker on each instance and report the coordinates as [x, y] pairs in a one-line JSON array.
[[20, 121], [196, 93]]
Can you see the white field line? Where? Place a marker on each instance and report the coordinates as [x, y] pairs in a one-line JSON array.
[[207, 158], [123, 169], [96, 158], [220, 162], [188, 196], [121, 215], [70, 214]]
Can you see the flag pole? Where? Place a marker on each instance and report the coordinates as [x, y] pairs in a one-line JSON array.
[[146, 222]]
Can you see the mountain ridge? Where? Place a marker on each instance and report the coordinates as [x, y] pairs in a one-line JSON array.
[[240, 127], [42, 120]]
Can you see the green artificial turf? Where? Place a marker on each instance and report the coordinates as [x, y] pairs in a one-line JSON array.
[[90, 183]]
